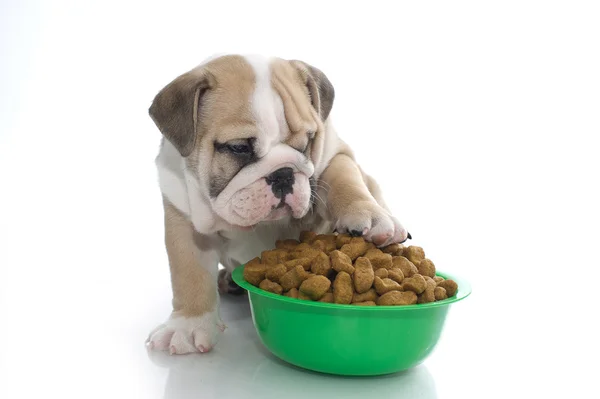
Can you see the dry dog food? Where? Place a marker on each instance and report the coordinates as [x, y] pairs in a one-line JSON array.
[[339, 268]]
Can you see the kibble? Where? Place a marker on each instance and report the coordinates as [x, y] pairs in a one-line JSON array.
[[346, 270]]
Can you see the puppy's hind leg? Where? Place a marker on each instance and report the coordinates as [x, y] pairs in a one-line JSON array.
[[227, 285]]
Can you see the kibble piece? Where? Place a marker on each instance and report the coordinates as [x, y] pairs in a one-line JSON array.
[[407, 267], [342, 239], [254, 262], [396, 275], [414, 254], [440, 293], [315, 287], [415, 284], [354, 249], [437, 279], [274, 256], [450, 286], [288, 245], [282, 255], [397, 298], [393, 249], [293, 293], [304, 262], [270, 286], [301, 247], [325, 246], [319, 245], [428, 295], [341, 262], [426, 268], [385, 285], [373, 252], [274, 273], [370, 295], [363, 275], [326, 237], [293, 278], [382, 273], [329, 240], [378, 259], [343, 291], [303, 296], [328, 298], [310, 253], [254, 272], [308, 236], [321, 264], [364, 303], [430, 282], [370, 246]]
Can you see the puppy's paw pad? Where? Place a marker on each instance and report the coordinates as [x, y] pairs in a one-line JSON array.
[[180, 335]]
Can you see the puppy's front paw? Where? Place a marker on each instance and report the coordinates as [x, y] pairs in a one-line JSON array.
[[181, 335], [374, 223]]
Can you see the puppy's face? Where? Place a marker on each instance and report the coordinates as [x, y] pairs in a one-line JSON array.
[[251, 132]]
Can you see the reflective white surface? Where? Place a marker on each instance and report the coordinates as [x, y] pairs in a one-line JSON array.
[[479, 120]]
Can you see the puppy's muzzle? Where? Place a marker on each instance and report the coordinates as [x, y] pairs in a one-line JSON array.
[[281, 182]]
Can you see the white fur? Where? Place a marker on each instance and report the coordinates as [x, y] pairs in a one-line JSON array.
[[330, 148], [181, 335], [280, 156], [171, 179], [267, 107], [201, 214]]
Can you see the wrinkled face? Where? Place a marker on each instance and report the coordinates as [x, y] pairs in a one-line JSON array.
[[255, 133]]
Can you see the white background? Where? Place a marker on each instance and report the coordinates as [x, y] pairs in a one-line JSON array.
[[479, 119]]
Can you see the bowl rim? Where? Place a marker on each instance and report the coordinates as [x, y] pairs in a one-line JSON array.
[[464, 290]]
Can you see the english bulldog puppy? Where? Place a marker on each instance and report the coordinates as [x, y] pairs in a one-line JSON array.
[[249, 156]]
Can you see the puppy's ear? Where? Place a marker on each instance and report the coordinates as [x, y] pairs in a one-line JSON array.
[[175, 109], [319, 87]]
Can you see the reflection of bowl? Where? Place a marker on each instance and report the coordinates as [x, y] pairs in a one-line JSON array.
[[346, 339]]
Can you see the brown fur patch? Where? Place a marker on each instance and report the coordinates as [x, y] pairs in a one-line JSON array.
[[207, 105], [194, 287]]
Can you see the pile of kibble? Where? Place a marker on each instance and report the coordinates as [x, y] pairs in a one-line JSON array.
[[339, 268]]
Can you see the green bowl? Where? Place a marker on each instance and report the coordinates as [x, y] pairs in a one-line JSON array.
[[347, 339]]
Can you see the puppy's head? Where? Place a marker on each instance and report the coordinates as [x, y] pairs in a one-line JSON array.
[[251, 131]]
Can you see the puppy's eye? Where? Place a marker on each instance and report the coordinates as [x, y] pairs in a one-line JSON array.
[[242, 147], [239, 148]]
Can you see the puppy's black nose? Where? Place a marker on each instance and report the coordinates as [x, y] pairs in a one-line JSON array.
[[281, 182]]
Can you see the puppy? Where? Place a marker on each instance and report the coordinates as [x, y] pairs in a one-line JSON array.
[[249, 156]]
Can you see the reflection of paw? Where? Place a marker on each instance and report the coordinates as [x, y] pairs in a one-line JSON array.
[[181, 335], [227, 285], [368, 219]]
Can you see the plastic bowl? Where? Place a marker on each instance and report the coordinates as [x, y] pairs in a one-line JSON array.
[[347, 339]]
